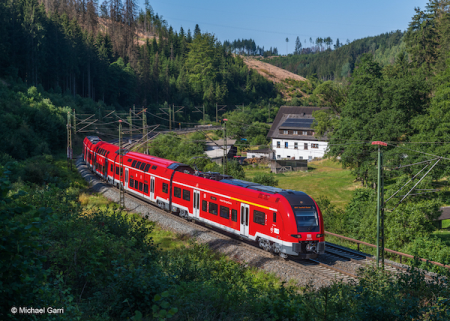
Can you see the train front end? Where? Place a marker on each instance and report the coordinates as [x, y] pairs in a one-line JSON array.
[[304, 231]]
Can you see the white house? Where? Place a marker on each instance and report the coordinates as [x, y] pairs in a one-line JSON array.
[[292, 136], [259, 153]]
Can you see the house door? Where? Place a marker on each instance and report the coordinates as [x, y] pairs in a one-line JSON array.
[[245, 213], [196, 203]]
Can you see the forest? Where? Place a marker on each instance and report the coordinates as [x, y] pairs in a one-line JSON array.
[[328, 64], [121, 56]]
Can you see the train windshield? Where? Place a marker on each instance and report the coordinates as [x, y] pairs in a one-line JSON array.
[[306, 218]]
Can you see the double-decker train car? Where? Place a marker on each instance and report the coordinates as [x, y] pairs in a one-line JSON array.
[[283, 221]]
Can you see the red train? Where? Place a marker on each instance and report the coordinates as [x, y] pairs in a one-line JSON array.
[[283, 221]]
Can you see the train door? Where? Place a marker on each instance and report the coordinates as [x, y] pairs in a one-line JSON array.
[[196, 203], [152, 188], [126, 178], [245, 213], [105, 169]]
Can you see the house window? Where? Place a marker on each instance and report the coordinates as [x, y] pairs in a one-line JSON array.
[[305, 146], [286, 145], [314, 145], [300, 157], [310, 158], [295, 132], [305, 133], [285, 132], [278, 145], [289, 157], [278, 156], [295, 145]]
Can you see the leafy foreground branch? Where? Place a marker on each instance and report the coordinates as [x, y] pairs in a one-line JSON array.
[[101, 264]]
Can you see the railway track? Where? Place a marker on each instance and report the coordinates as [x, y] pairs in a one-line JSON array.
[[364, 259], [315, 267]]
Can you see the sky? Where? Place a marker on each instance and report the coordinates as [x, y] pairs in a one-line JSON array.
[[269, 23]]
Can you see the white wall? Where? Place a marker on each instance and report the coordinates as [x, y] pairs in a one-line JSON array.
[[299, 153], [257, 155]]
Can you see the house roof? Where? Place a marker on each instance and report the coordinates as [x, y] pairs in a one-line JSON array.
[[260, 151], [289, 117], [445, 214]]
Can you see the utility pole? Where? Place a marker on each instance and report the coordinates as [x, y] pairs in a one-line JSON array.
[[121, 184], [170, 119], [380, 210], [199, 111], [69, 141], [173, 112], [225, 160], [222, 107], [144, 130], [131, 124], [74, 122]]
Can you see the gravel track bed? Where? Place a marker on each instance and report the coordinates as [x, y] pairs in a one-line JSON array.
[[236, 250]]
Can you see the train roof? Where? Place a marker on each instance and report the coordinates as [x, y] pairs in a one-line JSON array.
[[94, 139], [263, 188], [151, 159]]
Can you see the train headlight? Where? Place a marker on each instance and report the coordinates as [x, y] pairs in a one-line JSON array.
[[319, 235], [298, 236]]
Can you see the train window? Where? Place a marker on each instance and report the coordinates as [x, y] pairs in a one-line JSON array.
[[186, 195], [138, 165], [129, 160], [213, 198], [259, 217], [133, 163], [140, 186], [154, 167], [224, 212], [146, 188], [112, 168], [117, 170], [274, 217], [142, 166], [213, 208], [147, 167], [131, 182], [234, 215], [177, 192], [165, 188], [204, 206]]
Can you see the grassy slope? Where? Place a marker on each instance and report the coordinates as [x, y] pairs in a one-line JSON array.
[[324, 178]]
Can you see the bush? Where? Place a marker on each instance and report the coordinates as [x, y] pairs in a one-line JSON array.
[[267, 179]]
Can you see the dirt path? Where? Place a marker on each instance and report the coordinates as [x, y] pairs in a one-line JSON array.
[[277, 76]]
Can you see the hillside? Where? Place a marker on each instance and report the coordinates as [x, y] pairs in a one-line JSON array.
[[286, 80], [339, 63]]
